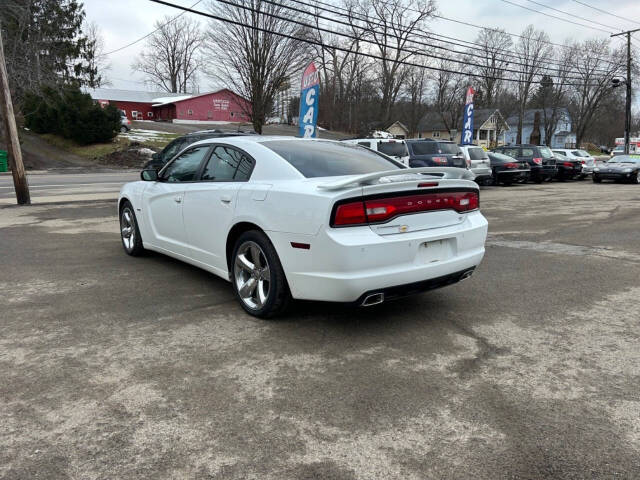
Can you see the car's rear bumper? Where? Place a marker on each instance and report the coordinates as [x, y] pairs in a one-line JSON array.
[[481, 172], [341, 265]]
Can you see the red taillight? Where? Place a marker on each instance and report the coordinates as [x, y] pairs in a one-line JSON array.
[[537, 161], [384, 209], [439, 160], [568, 164], [350, 214], [510, 165], [582, 162]]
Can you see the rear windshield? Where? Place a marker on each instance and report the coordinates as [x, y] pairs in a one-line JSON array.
[[429, 148], [393, 149], [501, 156], [580, 153], [329, 159], [545, 152], [477, 153]]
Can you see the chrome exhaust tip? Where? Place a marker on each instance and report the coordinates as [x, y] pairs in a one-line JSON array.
[[466, 275], [373, 299]]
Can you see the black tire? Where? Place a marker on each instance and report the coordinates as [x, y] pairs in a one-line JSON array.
[[128, 229], [278, 296], [596, 179], [507, 182], [123, 129], [538, 180], [636, 179]]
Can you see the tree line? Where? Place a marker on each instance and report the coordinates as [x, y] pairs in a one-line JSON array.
[[377, 59]]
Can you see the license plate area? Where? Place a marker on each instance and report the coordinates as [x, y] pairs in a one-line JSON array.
[[435, 251]]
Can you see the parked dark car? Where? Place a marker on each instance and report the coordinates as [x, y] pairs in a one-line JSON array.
[[158, 160], [434, 153], [622, 168], [508, 170], [568, 168], [540, 158]]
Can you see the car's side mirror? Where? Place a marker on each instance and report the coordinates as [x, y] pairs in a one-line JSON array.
[[150, 175]]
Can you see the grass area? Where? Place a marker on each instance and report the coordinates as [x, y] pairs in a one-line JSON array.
[[147, 139]]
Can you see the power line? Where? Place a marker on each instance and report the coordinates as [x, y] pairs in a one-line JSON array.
[[553, 16], [313, 42], [605, 12], [506, 57], [148, 34], [570, 14], [357, 38]]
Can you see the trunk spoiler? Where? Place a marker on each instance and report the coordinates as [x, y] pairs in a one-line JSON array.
[[403, 175]]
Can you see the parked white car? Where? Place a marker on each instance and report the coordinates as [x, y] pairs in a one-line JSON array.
[[478, 162], [393, 147], [588, 162], [284, 218]]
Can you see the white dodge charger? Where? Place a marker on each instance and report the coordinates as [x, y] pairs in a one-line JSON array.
[[285, 218]]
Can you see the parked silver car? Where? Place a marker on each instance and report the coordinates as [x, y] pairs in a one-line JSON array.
[[125, 123], [478, 162]]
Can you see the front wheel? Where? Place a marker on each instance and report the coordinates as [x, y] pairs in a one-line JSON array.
[[257, 276], [636, 179], [129, 231]]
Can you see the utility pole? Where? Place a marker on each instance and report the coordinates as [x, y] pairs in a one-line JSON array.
[[627, 120], [11, 134]]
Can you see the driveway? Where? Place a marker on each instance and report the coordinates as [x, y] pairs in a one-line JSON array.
[[114, 367]]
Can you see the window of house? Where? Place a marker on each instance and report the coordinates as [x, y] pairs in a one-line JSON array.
[[233, 114], [209, 114], [436, 135], [134, 114], [189, 112], [150, 114]]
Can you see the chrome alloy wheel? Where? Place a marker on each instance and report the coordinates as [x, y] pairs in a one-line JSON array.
[[128, 229], [252, 275]]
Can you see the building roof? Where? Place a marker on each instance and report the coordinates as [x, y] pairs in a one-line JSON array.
[[399, 124], [129, 95], [158, 102], [433, 120], [530, 115]]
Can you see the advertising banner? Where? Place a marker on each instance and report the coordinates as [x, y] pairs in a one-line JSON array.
[[467, 128], [309, 94]]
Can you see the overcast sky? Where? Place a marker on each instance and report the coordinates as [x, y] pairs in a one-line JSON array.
[[123, 21]]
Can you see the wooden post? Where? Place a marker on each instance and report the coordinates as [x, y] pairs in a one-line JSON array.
[[11, 134]]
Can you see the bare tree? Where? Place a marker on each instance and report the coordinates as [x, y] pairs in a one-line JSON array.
[[171, 59], [533, 51], [595, 64], [449, 93], [250, 57], [493, 62], [415, 87], [390, 27], [97, 61]]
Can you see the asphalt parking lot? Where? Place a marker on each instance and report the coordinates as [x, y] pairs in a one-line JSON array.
[[121, 368]]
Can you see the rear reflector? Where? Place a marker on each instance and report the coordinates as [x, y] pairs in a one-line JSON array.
[[422, 185], [510, 165], [384, 209], [568, 164], [537, 161], [303, 246]]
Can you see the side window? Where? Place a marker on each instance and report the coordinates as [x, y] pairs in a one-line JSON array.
[[512, 152], [186, 166], [228, 164], [365, 144], [527, 152]]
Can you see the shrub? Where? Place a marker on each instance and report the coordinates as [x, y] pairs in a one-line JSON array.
[[70, 114]]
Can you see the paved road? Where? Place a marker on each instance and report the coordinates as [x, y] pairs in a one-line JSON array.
[[62, 187], [114, 367]]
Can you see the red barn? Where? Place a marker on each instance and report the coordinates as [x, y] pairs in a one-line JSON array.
[[221, 106]]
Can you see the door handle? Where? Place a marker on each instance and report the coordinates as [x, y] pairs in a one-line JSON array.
[[225, 199], [178, 199]]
